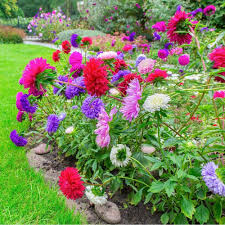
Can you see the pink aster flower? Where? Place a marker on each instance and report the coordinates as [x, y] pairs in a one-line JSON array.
[[75, 58], [131, 107], [159, 26], [176, 51], [146, 66], [219, 94], [184, 60], [102, 131], [32, 70], [18, 103], [209, 10], [107, 55], [19, 116]]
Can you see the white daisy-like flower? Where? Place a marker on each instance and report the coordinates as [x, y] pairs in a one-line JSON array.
[[69, 130], [107, 55], [120, 155], [95, 195], [156, 102]]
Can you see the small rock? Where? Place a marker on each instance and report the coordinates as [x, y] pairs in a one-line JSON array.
[[41, 149], [109, 212]]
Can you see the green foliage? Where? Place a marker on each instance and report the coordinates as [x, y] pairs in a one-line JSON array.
[[9, 9]]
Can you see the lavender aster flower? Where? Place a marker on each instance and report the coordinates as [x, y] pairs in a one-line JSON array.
[[156, 36], [179, 7], [74, 40], [60, 78], [139, 59], [131, 36], [52, 123], [72, 91], [54, 40], [120, 74], [204, 29], [91, 107], [62, 116], [17, 140], [26, 104], [196, 11], [211, 179], [131, 107], [168, 45], [74, 107]]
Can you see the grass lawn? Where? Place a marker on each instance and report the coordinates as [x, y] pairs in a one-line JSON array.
[[24, 196]]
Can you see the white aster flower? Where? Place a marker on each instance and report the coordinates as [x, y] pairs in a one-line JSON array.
[[107, 55], [95, 195], [120, 155], [156, 102], [69, 130]]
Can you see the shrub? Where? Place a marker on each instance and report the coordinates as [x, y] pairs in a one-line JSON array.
[[11, 35]]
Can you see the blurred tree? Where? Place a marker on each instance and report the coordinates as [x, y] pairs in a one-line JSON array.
[[9, 9]]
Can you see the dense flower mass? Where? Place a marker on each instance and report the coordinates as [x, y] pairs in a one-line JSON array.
[[71, 184], [131, 107], [156, 36], [52, 123], [102, 127], [209, 10], [20, 116], [56, 55], [66, 47], [146, 66], [72, 91], [159, 26], [76, 70], [32, 70], [156, 76], [17, 140], [211, 179], [95, 77], [177, 23], [184, 60], [91, 107]]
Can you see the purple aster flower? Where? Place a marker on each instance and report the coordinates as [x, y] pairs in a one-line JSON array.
[[168, 45], [91, 107], [60, 78], [74, 107], [62, 116], [179, 7], [131, 36], [163, 53], [72, 91], [74, 41], [139, 59], [52, 123], [120, 55], [118, 75], [54, 40], [156, 36], [76, 70], [98, 53], [196, 11], [211, 179], [17, 140], [26, 104], [131, 107], [204, 29]]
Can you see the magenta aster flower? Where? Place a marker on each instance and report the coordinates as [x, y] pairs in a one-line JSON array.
[[219, 94], [131, 107], [18, 103], [75, 58], [20, 116], [102, 131], [184, 60], [212, 180], [209, 10], [159, 26], [163, 53]]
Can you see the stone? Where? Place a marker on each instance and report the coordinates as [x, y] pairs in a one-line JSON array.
[[147, 149], [41, 149], [108, 212]]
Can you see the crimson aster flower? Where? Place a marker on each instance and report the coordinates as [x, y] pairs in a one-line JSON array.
[[156, 75]]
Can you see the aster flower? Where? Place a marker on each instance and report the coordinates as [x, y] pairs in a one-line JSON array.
[[156, 102], [176, 51], [163, 53], [17, 140], [120, 64], [74, 107], [26, 104], [86, 41], [168, 45], [18, 103], [204, 29], [146, 66], [107, 55], [209, 10], [102, 127], [52, 123], [212, 180], [71, 184], [95, 77], [178, 23], [75, 40], [159, 26], [179, 8], [157, 75], [69, 130], [219, 94], [76, 70], [34, 68], [96, 195], [130, 109], [66, 47], [113, 43], [120, 155], [184, 60], [60, 78], [56, 55], [131, 36], [196, 11], [75, 58], [91, 107], [119, 75], [72, 91], [156, 36], [139, 59], [120, 55], [20, 116], [127, 48], [62, 116]]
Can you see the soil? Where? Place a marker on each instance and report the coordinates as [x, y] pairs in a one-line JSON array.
[[52, 164]]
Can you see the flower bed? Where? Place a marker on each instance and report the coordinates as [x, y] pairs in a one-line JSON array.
[[140, 125]]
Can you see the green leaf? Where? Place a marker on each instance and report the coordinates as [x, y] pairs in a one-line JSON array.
[[171, 142], [156, 187], [164, 218], [156, 166], [137, 197], [148, 197], [217, 210], [187, 207], [169, 187], [201, 194], [180, 219], [202, 214]]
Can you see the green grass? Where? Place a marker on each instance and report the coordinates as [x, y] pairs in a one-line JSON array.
[[24, 195]]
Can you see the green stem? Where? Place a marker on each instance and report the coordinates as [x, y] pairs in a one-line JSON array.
[[129, 178]]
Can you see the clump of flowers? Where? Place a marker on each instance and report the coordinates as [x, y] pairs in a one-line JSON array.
[[96, 195], [127, 48], [19, 141], [70, 183], [139, 59], [119, 75]]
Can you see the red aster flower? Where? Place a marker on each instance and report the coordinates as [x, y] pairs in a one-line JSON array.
[[71, 184], [66, 47], [127, 79], [218, 57], [86, 41], [127, 48], [56, 56], [177, 23], [157, 75], [95, 77], [120, 65]]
